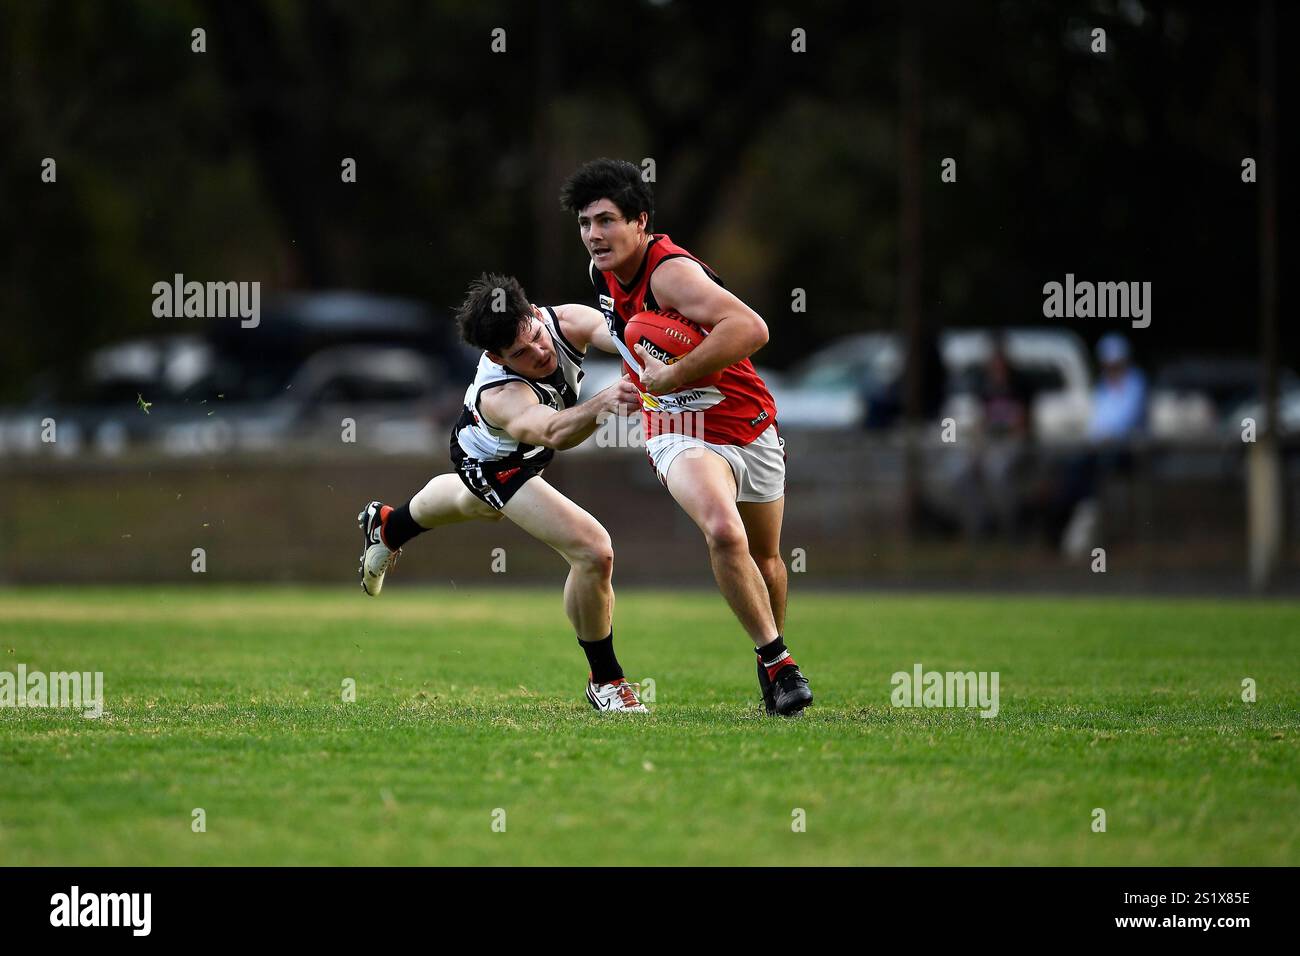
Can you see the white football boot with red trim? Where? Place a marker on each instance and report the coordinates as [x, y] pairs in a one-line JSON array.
[[376, 557], [619, 695]]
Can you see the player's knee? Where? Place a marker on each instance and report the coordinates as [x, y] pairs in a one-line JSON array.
[[770, 566], [726, 533], [595, 554]]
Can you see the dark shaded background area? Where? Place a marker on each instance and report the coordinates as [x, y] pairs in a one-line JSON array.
[[781, 169], [817, 171]]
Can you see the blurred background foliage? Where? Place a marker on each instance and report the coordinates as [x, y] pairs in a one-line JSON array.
[[779, 169]]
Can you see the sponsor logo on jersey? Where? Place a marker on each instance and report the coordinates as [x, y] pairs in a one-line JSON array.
[[760, 418], [607, 304], [690, 400]]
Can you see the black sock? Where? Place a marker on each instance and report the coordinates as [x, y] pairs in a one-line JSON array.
[[769, 653], [400, 527], [605, 668]]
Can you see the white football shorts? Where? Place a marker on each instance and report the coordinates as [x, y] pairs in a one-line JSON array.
[[759, 467]]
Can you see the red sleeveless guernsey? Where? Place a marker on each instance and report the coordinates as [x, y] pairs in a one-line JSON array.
[[736, 410]]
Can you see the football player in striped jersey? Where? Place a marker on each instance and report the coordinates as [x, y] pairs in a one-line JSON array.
[[520, 409]]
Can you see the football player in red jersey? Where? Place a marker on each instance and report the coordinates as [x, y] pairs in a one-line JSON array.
[[731, 478]]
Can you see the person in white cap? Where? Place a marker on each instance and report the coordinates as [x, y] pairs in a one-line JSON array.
[[1120, 399]]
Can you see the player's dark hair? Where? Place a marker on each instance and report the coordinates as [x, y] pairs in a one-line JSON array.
[[494, 309], [614, 179]]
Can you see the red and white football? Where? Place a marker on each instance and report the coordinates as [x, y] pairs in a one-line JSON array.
[[667, 335]]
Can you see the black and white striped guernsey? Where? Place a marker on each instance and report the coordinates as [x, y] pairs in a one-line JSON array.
[[480, 438]]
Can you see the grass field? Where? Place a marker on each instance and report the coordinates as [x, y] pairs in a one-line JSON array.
[[229, 700]]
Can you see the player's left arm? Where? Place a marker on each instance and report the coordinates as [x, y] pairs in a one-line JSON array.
[[735, 330], [582, 325]]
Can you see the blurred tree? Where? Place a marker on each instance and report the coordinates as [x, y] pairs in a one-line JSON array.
[[778, 167]]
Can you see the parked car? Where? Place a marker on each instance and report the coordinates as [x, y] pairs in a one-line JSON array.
[[313, 360], [1053, 363], [398, 399], [833, 386], [1288, 412], [1209, 396], [830, 388], [101, 409], [296, 325]]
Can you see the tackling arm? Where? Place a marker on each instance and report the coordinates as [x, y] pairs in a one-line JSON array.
[[527, 420]]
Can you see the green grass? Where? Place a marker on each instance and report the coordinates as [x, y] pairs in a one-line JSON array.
[[467, 701]]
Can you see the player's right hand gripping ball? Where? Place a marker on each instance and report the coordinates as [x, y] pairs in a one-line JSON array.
[[667, 335]]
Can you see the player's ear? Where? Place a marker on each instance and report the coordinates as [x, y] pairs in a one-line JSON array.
[[495, 358], [643, 220]]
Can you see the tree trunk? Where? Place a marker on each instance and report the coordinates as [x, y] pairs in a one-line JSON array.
[[909, 256], [1264, 466]]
